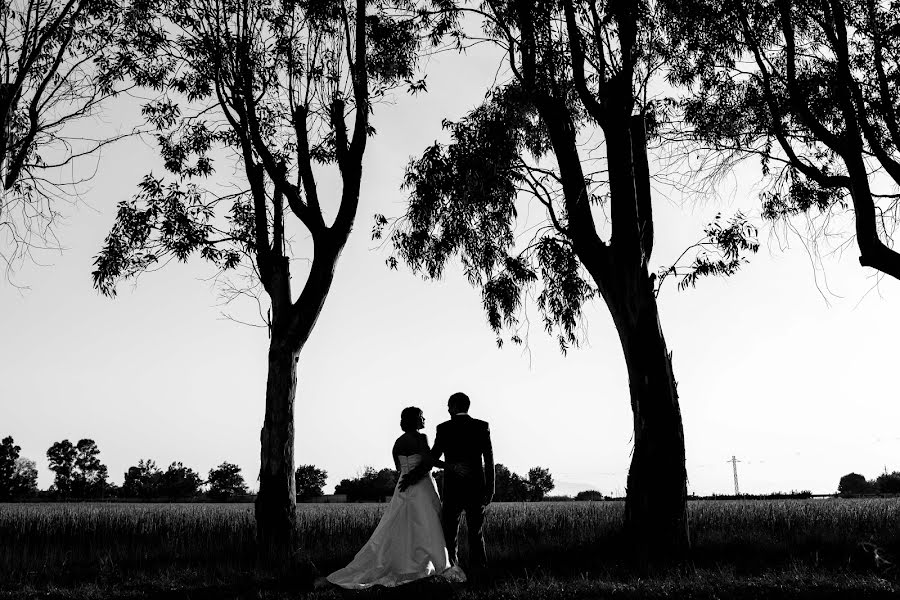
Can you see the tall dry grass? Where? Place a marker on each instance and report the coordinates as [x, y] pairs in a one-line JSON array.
[[216, 541]]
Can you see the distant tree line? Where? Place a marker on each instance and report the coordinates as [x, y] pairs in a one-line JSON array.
[[854, 484], [373, 485], [512, 487], [368, 486], [792, 495], [79, 474]]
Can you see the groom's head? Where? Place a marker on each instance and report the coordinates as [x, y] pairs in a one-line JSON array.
[[458, 403]]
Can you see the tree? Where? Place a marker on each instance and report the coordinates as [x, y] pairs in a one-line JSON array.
[[142, 480], [55, 70], [369, 486], [278, 85], [811, 88], [592, 495], [77, 468], [9, 454], [540, 483], [854, 483], [509, 486], [888, 483], [25, 478], [575, 68], [178, 481], [89, 475], [61, 456], [18, 476], [310, 481], [226, 481], [146, 480]]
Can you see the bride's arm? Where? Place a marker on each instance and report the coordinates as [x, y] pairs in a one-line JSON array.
[[396, 456]]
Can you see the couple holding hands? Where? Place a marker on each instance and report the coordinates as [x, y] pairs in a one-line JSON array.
[[416, 537]]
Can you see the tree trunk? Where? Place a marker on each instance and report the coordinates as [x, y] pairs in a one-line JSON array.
[[276, 502], [656, 522], [292, 323]]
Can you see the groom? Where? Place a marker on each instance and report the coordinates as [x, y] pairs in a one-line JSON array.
[[468, 484]]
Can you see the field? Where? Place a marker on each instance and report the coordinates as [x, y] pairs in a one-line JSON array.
[[211, 546]]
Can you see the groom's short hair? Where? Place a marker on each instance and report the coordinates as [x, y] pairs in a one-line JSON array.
[[460, 401]]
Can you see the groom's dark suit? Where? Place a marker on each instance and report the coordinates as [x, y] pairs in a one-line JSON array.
[[465, 441]]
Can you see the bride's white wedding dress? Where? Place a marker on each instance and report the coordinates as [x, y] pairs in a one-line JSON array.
[[408, 543]]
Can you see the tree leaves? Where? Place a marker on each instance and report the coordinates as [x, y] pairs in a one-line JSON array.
[[564, 291], [794, 194], [809, 87], [168, 219], [462, 203], [721, 253], [57, 68]]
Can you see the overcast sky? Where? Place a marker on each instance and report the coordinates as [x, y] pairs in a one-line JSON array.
[[798, 384]]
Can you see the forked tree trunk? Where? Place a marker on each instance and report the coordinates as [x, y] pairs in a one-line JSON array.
[[656, 500], [292, 323]]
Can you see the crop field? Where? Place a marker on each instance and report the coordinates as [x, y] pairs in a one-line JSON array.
[[215, 542]]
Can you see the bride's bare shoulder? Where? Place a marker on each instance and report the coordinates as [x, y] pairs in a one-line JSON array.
[[408, 443]]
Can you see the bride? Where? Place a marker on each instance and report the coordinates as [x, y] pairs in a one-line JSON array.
[[408, 543]]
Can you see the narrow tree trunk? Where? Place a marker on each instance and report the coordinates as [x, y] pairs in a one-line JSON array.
[[656, 499], [276, 502]]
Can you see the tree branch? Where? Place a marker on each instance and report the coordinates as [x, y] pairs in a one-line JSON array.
[[595, 109]]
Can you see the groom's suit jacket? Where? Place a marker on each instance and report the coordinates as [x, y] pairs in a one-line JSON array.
[[467, 441]]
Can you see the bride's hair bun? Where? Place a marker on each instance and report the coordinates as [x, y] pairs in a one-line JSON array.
[[409, 418]]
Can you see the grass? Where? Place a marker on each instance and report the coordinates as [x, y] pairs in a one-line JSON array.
[[558, 549]]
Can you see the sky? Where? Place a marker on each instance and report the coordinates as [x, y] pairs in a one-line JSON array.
[[787, 366]]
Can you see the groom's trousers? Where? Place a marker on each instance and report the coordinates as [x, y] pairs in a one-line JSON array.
[[451, 511]]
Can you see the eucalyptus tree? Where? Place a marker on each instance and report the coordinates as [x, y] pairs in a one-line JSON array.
[[812, 87], [54, 75], [287, 88], [575, 69]]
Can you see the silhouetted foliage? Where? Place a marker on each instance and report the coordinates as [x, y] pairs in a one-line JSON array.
[[9, 454], [178, 481], [141, 480], [809, 87], [310, 481], [78, 472], [888, 483], [226, 481], [146, 480], [540, 483], [854, 483], [25, 478], [18, 476], [56, 69], [589, 495], [370, 486], [61, 457], [508, 486]]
